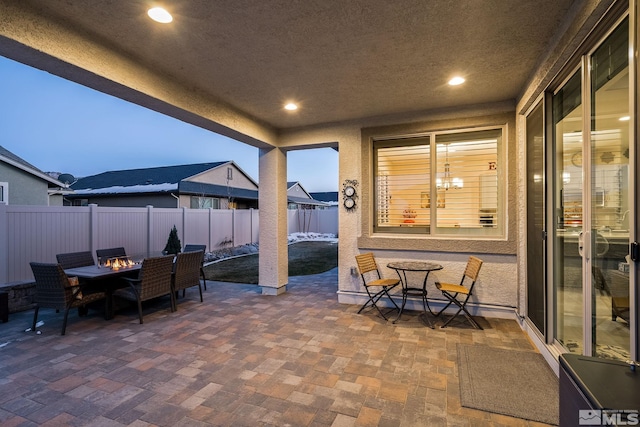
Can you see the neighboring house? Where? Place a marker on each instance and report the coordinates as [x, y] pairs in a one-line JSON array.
[[218, 185], [21, 183], [299, 198], [330, 197]]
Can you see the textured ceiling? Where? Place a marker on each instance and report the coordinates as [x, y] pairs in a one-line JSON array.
[[339, 59]]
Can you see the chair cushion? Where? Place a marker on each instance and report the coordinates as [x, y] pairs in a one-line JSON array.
[[383, 282], [451, 288], [73, 282]]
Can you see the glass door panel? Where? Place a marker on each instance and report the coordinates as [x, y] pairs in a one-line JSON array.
[[567, 221], [610, 195]]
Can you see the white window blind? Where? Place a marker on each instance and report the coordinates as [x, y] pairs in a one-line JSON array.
[[403, 184], [467, 182]]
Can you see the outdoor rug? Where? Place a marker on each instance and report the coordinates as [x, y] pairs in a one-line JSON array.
[[509, 382]]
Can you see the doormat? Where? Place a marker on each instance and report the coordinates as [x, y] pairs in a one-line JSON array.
[[510, 382]]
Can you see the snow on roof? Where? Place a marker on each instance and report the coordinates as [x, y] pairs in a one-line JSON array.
[[149, 188]]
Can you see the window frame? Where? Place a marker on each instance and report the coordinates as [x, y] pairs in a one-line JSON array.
[[471, 118], [433, 230], [4, 193]]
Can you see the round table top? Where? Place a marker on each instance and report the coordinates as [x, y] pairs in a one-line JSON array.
[[414, 266]]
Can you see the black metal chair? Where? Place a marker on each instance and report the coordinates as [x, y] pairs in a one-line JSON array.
[[154, 280], [186, 274], [196, 248], [464, 290], [54, 290], [371, 278], [75, 259]]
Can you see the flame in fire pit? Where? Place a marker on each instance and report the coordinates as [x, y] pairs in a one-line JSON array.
[[116, 263]]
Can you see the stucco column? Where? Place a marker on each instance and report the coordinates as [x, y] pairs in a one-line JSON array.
[[274, 263]]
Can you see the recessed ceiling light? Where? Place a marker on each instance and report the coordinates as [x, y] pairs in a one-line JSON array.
[[291, 106], [456, 81], [160, 15], [624, 119]]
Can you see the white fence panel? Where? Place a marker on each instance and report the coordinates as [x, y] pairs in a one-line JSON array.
[[196, 220], [242, 227], [117, 226], [323, 221], [162, 221], [221, 229], [38, 233]]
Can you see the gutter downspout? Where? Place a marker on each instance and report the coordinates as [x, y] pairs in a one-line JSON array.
[[177, 200]]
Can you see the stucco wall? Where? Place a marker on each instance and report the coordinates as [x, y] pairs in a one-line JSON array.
[[24, 189]]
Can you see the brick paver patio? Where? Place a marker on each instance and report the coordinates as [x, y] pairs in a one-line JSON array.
[[241, 359]]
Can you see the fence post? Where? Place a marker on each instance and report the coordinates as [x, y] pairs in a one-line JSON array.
[[149, 228], [93, 228], [233, 227], [4, 243], [210, 230], [184, 226]]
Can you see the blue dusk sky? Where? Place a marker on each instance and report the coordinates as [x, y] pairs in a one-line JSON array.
[[60, 126]]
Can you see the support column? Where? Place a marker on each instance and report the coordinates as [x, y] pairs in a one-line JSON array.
[[272, 196]]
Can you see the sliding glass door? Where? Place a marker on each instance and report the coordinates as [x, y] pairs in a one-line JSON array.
[[591, 202]]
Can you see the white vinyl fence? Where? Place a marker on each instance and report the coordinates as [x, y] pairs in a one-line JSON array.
[[38, 233]]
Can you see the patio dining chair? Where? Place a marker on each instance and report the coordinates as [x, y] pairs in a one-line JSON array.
[[153, 281], [75, 259], [459, 294], [195, 248], [372, 279], [55, 290], [186, 274]]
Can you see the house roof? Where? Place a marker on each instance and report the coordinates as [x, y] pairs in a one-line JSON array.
[[325, 196], [158, 180], [12, 159]]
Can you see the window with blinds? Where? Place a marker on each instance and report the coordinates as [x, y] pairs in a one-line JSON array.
[[453, 190]]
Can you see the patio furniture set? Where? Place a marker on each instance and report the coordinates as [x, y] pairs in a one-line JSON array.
[[378, 287], [76, 281]]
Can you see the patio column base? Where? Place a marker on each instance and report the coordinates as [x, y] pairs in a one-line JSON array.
[[270, 290]]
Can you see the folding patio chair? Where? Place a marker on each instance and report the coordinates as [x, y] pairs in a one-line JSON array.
[[464, 289], [371, 278]]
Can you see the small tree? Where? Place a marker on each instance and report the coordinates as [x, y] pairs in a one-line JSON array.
[[173, 243]]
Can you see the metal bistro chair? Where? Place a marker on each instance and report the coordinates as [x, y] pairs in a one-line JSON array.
[[154, 280], [371, 278], [452, 291], [196, 248], [186, 273], [54, 290], [75, 259]]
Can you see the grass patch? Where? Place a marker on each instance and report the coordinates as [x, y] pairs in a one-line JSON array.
[[305, 258]]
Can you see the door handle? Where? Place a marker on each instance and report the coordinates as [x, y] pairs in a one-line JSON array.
[[581, 243]]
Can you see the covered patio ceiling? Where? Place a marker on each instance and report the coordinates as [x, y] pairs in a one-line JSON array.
[[339, 60]]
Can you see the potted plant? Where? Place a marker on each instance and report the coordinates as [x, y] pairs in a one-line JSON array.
[[409, 214]]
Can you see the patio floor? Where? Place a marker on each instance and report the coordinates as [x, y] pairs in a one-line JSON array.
[[241, 359]]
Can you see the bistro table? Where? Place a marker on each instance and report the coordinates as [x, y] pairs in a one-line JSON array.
[[99, 275], [401, 267]]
